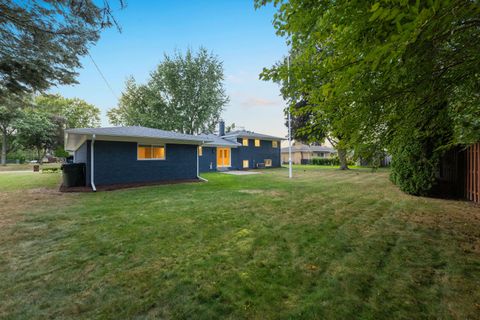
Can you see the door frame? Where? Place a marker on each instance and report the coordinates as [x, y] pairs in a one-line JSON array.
[[229, 157]]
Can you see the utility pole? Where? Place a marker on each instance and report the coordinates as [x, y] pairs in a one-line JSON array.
[[289, 126]]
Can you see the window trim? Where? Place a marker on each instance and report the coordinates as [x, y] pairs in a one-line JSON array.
[[259, 143], [243, 142], [153, 145]]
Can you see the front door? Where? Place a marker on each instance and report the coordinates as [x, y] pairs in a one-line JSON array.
[[223, 157]]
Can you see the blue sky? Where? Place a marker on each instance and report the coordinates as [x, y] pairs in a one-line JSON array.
[[241, 36]]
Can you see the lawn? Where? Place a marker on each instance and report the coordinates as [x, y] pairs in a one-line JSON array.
[[26, 166], [327, 244]]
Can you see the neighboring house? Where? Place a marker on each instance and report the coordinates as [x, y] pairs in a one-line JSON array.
[[239, 150], [131, 155], [303, 154]]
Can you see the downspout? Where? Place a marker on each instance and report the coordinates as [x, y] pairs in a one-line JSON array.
[[198, 167], [92, 164]]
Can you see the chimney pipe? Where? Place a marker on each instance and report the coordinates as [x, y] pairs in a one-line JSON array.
[[221, 128]]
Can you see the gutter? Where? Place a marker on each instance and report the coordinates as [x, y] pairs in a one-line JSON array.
[[198, 167], [92, 163]]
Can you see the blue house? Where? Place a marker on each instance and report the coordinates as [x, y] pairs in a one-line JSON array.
[[138, 155], [238, 150]]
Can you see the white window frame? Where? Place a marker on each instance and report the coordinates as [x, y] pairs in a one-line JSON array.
[[153, 145], [265, 161]]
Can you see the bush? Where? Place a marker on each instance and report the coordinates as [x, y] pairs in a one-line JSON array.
[[326, 161], [50, 170]]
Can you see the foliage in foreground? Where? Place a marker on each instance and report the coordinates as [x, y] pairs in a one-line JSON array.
[[395, 75]]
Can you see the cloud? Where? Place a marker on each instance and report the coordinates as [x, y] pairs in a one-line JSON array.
[[260, 102]]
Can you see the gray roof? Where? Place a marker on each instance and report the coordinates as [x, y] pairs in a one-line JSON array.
[[306, 148], [138, 132], [218, 141], [250, 134]]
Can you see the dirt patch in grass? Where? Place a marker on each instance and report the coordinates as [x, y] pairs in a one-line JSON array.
[[15, 203], [272, 193]]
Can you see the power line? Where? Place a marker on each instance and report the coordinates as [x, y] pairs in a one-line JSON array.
[[103, 77]]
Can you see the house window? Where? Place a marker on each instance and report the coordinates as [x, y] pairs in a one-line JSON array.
[[245, 142], [200, 151], [274, 144], [245, 164], [257, 142], [268, 162], [150, 152]]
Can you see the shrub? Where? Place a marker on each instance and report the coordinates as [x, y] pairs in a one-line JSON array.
[[326, 161], [50, 170]]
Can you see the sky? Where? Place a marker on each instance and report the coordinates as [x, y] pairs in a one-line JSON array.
[[242, 37]]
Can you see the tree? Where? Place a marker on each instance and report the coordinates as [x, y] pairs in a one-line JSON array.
[[37, 131], [76, 112], [10, 111], [42, 41], [397, 75], [184, 94]]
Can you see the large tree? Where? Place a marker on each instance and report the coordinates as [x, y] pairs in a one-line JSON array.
[[185, 94], [41, 41], [76, 112], [10, 112], [396, 74]]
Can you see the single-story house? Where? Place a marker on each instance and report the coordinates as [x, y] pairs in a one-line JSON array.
[[136, 155], [303, 154]]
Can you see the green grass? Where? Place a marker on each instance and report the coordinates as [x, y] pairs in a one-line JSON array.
[[327, 244], [10, 181], [26, 166]]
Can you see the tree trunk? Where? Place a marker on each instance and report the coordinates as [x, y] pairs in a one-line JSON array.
[[342, 156], [4, 149]]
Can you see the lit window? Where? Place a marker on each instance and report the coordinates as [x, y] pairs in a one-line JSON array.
[[245, 164], [274, 144], [257, 142], [150, 152], [200, 151], [268, 162], [245, 142]]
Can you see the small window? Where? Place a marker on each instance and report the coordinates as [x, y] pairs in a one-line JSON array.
[[274, 144], [200, 151], [245, 164], [150, 152], [245, 142], [257, 142], [268, 162]]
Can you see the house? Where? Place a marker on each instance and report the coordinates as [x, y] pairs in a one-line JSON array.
[[303, 154], [239, 149], [138, 155], [129, 155]]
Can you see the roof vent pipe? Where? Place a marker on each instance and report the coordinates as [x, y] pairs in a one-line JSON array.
[[221, 128]]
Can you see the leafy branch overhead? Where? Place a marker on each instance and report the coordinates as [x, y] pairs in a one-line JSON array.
[[41, 41], [398, 75]]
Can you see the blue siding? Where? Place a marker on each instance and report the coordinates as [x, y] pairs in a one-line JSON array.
[[116, 163], [208, 161], [256, 155]]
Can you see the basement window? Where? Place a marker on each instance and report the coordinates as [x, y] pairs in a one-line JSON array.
[[150, 152], [268, 162], [245, 164]]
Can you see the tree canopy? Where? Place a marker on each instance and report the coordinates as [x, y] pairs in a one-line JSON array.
[[399, 75], [41, 41], [76, 112], [185, 93]]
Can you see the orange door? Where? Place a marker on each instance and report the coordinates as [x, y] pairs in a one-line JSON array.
[[223, 157]]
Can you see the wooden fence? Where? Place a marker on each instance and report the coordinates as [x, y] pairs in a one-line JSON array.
[[472, 181]]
